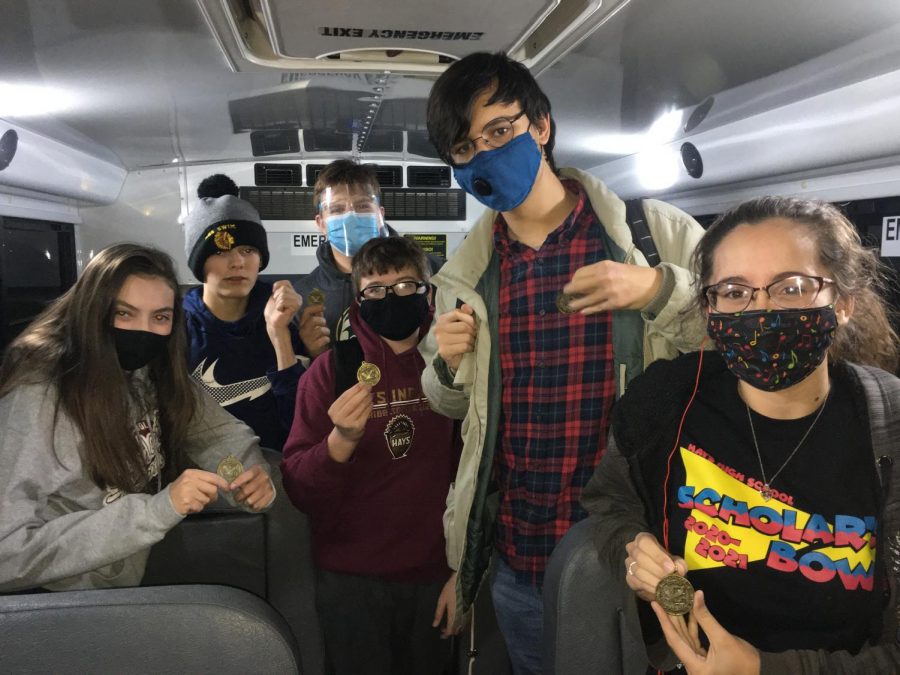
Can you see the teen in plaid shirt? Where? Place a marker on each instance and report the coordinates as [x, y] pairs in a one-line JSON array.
[[545, 312]]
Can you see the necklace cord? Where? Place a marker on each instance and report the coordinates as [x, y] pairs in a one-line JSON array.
[[766, 482]]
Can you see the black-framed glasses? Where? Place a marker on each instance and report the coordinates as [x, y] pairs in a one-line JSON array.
[[799, 291], [495, 134], [401, 288]]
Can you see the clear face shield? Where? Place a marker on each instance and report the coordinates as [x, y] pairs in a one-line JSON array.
[[352, 217]]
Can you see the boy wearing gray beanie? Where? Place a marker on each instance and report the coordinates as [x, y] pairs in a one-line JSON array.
[[242, 331]]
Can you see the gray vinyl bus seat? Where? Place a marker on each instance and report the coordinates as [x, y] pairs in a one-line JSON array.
[[585, 631], [167, 629], [267, 554]]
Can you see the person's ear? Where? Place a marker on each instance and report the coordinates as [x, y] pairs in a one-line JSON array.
[[542, 127], [320, 225], [843, 310]]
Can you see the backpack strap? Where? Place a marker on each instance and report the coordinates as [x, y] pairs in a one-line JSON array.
[[640, 231], [347, 355]]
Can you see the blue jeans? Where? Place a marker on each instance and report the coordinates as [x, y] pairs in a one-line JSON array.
[[520, 615]]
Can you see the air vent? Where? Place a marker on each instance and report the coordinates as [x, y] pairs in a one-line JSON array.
[[322, 140], [417, 143], [278, 174], [428, 176], [388, 176], [312, 173], [274, 142], [423, 204], [383, 141], [399, 204], [281, 204]]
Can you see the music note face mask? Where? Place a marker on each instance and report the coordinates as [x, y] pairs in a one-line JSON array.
[[773, 349]]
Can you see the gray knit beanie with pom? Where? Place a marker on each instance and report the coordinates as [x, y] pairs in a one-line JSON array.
[[220, 221]]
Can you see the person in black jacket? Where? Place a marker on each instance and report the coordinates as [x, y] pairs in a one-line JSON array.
[[348, 214], [765, 475]]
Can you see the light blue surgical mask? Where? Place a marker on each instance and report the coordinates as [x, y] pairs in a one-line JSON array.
[[348, 232], [501, 179]]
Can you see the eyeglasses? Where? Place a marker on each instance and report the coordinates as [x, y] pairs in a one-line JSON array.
[[795, 292], [336, 208], [401, 289], [495, 134]]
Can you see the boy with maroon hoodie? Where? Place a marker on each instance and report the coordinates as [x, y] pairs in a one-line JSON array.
[[370, 463]]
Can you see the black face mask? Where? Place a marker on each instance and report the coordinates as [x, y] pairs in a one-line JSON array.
[[137, 348], [395, 317]]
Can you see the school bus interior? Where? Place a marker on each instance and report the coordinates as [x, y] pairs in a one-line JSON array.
[[113, 111]]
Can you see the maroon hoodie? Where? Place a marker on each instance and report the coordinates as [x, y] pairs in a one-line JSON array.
[[380, 514]]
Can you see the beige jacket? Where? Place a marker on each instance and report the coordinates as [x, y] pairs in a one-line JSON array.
[[661, 330]]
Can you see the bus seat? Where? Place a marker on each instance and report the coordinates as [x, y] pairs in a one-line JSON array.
[[267, 554], [585, 629], [167, 629]]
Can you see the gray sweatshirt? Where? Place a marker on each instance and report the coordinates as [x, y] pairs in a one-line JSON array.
[[58, 529]]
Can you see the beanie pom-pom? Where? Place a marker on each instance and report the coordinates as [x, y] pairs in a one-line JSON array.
[[216, 186]]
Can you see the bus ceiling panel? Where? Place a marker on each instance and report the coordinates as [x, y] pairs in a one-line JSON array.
[[651, 58], [846, 126], [155, 81], [319, 105], [412, 38], [42, 165]]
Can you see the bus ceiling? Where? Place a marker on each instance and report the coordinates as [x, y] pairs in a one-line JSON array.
[[114, 87]]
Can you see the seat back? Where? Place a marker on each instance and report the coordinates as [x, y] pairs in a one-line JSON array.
[[267, 554], [183, 629], [585, 625]]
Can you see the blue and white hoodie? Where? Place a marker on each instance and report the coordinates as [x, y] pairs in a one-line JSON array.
[[235, 362]]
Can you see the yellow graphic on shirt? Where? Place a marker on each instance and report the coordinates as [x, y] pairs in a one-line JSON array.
[[730, 524]]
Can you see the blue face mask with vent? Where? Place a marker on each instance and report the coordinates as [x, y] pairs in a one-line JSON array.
[[501, 179], [348, 232]]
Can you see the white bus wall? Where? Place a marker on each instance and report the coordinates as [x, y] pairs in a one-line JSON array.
[[153, 203], [146, 212]]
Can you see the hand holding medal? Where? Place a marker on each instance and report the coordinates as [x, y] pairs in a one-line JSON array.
[[653, 574], [314, 330], [251, 488], [350, 412]]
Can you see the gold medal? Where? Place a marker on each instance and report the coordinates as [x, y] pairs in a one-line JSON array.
[[315, 297], [675, 594], [230, 468], [368, 373], [563, 300]]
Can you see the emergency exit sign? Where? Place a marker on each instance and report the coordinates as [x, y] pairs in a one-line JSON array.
[[306, 243], [890, 237]]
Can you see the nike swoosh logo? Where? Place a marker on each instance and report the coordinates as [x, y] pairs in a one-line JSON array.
[[227, 394]]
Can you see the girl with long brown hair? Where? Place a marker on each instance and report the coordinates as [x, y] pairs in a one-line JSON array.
[[99, 424], [768, 479]]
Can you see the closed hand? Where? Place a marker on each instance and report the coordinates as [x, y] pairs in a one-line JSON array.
[[609, 285], [454, 333]]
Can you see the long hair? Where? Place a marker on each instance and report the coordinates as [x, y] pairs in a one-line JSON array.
[[71, 346], [857, 272]]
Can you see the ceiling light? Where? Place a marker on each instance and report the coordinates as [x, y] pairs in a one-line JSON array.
[[25, 100], [658, 168]]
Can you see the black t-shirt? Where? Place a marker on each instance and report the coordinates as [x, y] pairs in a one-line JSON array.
[[795, 571]]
